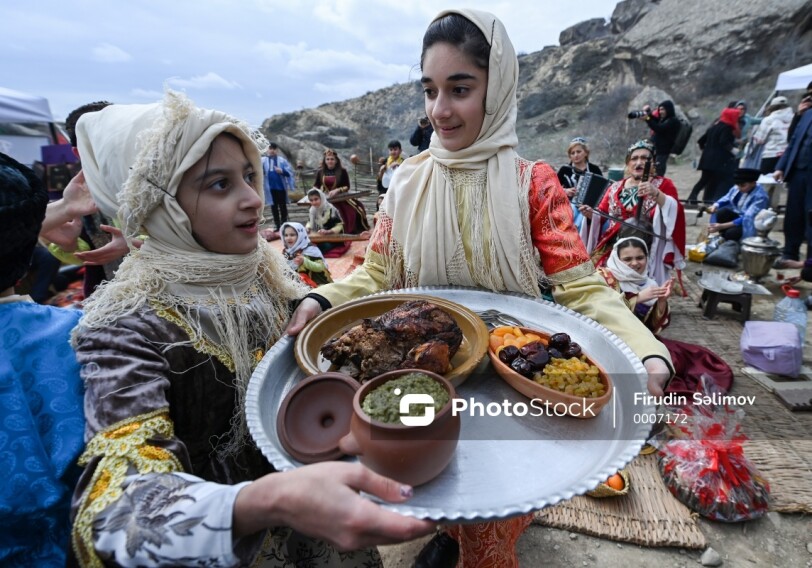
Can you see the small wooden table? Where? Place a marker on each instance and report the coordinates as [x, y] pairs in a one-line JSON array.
[[740, 303]]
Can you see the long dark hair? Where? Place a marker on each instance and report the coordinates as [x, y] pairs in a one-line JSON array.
[[460, 32], [323, 166]]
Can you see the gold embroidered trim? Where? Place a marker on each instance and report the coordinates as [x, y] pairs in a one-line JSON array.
[[119, 446], [200, 344], [570, 274]]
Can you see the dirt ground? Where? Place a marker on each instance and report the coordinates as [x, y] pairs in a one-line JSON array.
[[774, 540]]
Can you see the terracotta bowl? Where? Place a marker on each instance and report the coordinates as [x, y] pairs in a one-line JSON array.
[[314, 415], [409, 454], [337, 320], [576, 406]]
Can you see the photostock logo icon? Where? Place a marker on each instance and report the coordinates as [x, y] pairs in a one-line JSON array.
[[425, 400]]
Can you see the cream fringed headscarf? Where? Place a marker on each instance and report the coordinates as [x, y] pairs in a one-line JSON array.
[[229, 304], [487, 180]]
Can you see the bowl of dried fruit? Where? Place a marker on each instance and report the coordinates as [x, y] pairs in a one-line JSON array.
[[551, 369]]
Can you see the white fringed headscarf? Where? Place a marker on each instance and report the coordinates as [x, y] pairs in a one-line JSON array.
[[302, 244], [135, 156], [628, 278], [431, 188]]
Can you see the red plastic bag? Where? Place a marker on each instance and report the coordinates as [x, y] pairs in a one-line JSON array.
[[702, 462]]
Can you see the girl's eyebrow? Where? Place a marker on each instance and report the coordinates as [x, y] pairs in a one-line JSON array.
[[454, 77], [221, 171]]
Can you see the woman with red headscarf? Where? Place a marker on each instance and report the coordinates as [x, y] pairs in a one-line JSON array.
[[718, 160]]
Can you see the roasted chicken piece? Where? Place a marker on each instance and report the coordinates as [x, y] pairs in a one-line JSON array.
[[416, 334]]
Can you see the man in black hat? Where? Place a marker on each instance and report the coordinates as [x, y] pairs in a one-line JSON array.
[[734, 215]]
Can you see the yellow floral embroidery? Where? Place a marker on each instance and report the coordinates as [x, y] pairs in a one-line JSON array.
[[100, 487], [154, 453], [121, 446], [200, 344], [123, 431]]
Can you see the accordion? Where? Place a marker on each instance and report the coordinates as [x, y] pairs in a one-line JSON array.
[[590, 189]]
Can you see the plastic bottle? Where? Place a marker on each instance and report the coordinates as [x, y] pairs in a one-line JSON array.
[[792, 309]]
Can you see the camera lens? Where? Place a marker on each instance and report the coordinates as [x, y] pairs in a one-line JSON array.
[[637, 114]]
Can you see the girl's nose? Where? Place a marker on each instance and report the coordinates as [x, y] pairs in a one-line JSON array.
[[442, 108], [250, 197]]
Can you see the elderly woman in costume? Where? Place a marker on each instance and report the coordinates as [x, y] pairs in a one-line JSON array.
[[334, 180], [172, 476], [733, 216], [303, 256], [470, 211], [661, 209]]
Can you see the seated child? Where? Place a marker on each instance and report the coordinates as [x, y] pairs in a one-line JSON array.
[[325, 220], [304, 257]]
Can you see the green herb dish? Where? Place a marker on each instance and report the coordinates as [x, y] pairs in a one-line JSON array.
[[383, 405]]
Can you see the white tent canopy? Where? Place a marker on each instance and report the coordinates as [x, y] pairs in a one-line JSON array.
[[794, 79], [22, 107]]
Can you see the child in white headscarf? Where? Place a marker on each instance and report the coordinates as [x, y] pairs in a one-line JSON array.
[[324, 219], [171, 474], [471, 212], [303, 256], [626, 271]]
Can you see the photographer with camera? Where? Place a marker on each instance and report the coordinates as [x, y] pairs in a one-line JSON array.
[[664, 126], [422, 134]]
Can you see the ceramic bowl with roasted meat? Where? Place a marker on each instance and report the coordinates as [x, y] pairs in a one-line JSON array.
[[377, 334]]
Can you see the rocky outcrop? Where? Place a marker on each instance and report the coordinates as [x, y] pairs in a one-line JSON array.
[[699, 54], [627, 13], [585, 31]]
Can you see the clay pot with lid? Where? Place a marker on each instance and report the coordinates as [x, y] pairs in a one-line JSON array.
[[409, 454], [315, 415]]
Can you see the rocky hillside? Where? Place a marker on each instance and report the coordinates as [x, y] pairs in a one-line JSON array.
[[700, 54]]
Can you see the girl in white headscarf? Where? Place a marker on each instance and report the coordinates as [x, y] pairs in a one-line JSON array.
[[303, 256], [324, 219], [167, 347], [471, 212], [626, 272]]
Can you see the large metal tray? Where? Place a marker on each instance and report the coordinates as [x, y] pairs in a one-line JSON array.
[[503, 466]]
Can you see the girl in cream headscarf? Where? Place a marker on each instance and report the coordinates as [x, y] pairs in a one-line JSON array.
[[625, 271], [167, 347], [471, 212]]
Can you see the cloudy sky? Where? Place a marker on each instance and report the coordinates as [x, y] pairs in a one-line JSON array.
[[251, 58]]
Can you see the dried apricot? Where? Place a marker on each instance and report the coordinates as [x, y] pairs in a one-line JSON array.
[[495, 342], [521, 341], [502, 330]]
